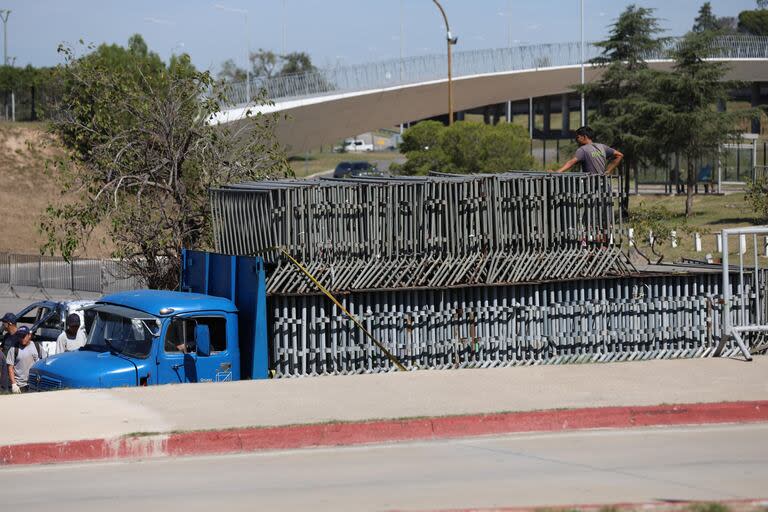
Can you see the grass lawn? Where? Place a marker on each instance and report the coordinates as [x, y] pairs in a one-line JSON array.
[[711, 214]]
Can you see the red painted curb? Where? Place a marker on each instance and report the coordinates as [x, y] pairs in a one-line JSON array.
[[666, 506], [335, 434]]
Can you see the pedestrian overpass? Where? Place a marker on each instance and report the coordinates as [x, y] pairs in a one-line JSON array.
[[325, 106]]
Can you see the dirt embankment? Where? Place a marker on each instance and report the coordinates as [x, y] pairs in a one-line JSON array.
[[26, 188]]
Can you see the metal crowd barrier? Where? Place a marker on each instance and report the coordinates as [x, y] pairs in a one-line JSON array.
[[440, 230], [619, 319], [55, 273]]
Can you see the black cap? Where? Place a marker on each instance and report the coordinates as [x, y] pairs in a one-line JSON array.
[[73, 320], [9, 318]]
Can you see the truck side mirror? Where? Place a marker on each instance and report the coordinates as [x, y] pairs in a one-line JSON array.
[[203, 337]]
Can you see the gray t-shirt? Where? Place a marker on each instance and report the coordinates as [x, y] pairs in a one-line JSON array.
[[21, 365], [66, 344], [594, 157]]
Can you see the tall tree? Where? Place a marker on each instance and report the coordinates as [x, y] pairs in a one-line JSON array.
[[706, 20], [268, 64], [296, 62], [754, 22], [625, 110], [231, 72], [264, 63], [689, 124], [144, 151]]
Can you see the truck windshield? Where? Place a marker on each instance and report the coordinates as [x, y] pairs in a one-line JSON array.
[[123, 330]]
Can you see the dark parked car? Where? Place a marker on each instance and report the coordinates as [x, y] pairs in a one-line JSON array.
[[356, 170]]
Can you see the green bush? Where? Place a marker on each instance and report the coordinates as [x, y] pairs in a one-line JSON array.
[[465, 147]]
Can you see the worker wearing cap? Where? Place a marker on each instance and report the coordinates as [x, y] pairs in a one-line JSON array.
[[9, 326], [21, 357], [72, 338]]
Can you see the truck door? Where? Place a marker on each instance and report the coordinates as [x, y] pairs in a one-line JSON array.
[[179, 360], [176, 359], [215, 366]]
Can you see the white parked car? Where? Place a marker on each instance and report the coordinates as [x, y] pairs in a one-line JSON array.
[[357, 146], [46, 320]]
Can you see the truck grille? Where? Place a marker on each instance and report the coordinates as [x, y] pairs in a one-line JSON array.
[[43, 383]]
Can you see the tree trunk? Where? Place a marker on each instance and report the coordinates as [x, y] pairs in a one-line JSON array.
[[33, 114], [691, 183]]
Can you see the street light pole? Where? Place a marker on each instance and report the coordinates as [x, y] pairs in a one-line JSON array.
[[451, 40], [4, 16], [583, 105], [244, 12]]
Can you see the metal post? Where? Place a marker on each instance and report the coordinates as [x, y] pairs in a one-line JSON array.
[[583, 104], [531, 118], [401, 46], [726, 294], [450, 83], [247, 60], [4, 16], [450, 41]]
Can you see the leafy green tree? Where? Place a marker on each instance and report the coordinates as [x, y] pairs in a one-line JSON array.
[[706, 20], [465, 147], [231, 72], [421, 136], [689, 124], [264, 63], [144, 151], [625, 111], [296, 62], [754, 22], [268, 64], [757, 197]]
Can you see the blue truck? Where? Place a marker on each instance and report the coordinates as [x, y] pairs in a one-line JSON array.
[[214, 330]]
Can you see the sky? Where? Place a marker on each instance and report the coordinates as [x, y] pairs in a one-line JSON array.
[[333, 32]]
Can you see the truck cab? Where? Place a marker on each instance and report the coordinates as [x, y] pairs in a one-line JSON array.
[[149, 337]]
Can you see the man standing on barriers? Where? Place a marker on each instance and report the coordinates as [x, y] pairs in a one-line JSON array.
[[594, 158]]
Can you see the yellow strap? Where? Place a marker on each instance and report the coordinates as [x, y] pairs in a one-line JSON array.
[[322, 288]]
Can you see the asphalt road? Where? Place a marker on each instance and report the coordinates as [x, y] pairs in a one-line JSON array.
[[726, 462]]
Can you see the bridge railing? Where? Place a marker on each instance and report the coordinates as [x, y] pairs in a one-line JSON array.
[[396, 72]]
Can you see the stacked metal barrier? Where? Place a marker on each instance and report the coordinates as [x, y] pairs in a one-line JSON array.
[[463, 271], [436, 231], [628, 318]]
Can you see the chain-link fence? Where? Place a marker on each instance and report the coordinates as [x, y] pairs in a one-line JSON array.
[[56, 273]]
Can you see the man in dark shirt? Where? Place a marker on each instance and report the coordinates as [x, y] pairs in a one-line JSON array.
[[594, 158], [9, 326]]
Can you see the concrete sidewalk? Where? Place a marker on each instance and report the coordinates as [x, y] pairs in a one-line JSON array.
[[107, 414]]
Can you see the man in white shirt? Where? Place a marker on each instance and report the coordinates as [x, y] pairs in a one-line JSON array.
[[72, 338]]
